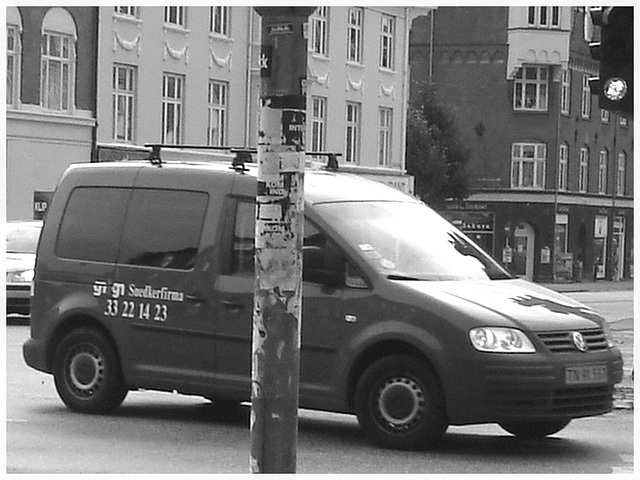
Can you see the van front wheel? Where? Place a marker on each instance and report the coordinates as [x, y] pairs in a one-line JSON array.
[[399, 403], [534, 429], [87, 373]]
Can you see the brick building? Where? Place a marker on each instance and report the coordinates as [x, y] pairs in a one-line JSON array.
[[551, 173]]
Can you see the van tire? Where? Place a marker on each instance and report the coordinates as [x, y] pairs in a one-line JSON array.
[[532, 429], [87, 372], [399, 403]]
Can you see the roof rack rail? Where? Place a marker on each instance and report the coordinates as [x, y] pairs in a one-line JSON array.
[[332, 159], [243, 154]]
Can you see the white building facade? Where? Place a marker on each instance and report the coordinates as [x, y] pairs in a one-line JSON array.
[[191, 76]]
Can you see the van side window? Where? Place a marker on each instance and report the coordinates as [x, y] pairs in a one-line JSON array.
[[163, 228], [243, 238], [322, 255], [92, 223]]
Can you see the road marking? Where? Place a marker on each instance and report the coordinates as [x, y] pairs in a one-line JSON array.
[[17, 420]]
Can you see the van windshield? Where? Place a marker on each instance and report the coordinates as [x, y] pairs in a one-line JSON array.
[[409, 241]]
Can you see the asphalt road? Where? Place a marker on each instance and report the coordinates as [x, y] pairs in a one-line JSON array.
[[165, 433]]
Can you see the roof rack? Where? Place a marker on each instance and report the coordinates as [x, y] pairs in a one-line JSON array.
[[332, 158], [243, 155]]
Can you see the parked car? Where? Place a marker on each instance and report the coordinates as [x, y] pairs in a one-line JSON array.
[[145, 280], [21, 242]]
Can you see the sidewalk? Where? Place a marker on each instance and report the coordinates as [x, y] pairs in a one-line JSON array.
[[590, 286]]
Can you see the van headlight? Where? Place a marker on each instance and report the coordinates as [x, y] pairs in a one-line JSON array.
[[500, 340]]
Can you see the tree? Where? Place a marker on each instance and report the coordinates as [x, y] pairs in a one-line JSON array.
[[435, 156]]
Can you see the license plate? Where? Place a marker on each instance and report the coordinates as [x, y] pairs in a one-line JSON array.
[[586, 374]]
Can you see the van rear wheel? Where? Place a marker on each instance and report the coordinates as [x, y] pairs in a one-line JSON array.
[[399, 403], [87, 373]]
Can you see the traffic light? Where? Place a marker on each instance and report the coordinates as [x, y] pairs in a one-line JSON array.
[[614, 86]]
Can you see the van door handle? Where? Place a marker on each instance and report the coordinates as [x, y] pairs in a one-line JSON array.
[[232, 305], [195, 299]]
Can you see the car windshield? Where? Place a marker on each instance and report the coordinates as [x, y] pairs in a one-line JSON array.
[[22, 238], [409, 241]]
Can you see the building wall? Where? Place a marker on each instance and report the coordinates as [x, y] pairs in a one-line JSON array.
[[146, 43], [155, 48], [42, 142]]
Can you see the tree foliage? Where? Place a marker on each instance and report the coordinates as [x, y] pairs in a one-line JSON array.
[[435, 155]]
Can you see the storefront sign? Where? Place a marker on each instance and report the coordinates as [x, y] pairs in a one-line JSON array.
[[41, 201]]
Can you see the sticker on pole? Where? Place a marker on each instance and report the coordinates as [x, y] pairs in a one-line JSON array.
[[293, 127]]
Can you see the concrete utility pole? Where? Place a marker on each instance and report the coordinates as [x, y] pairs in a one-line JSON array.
[[277, 310]]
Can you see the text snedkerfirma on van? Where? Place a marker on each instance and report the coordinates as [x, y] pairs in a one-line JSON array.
[[145, 280]]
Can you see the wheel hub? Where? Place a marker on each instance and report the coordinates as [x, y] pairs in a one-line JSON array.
[[85, 372], [401, 402]]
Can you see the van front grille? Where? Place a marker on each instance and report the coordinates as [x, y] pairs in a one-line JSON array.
[[561, 342]]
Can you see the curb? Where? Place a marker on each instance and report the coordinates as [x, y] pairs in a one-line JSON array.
[[623, 398]]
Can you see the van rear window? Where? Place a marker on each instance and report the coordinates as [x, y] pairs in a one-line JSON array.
[[92, 222], [163, 227]]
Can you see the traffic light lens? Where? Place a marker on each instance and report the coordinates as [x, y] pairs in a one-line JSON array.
[[615, 89]]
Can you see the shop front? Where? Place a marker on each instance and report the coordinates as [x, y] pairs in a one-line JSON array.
[[548, 242]]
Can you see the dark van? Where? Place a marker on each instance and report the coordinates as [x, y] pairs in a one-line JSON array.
[[144, 280]]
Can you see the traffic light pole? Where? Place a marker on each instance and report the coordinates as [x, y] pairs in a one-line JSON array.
[[277, 311]]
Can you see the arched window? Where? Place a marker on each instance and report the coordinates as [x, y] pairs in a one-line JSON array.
[[58, 55], [14, 55], [603, 163], [583, 172]]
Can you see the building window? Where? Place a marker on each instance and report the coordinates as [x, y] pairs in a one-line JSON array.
[[530, 88], [175, 16], [218, 104], [527, 165], [620, 177], [124, 100], [387, 41], [563, 167], [57, 71], [172, 101], [354, 35], [128, 11], [565, 99], [319, 31], [13, 64], [543, 17], [318, 123], [384, 136], [586, 97], [583, 174], [353, 133], [605, 115], [602, 172], [623, 122], [219, 18]]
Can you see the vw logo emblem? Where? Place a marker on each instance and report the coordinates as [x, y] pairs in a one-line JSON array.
[[579, 341]]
